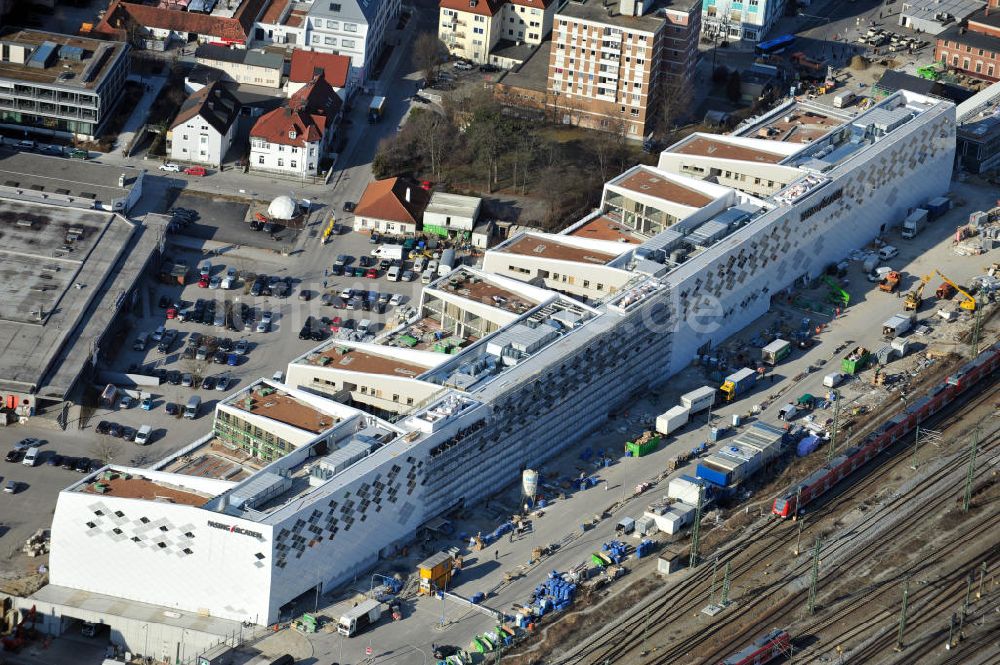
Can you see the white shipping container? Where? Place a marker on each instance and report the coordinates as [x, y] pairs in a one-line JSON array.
[[645, 526], [672, 420], [699, 400], [685, 489], [675, 519]]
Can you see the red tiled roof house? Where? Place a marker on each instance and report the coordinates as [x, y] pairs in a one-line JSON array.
[[293, 139], [393, 205]]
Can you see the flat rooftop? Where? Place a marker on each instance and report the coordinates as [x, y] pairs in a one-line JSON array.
[[64, 60], [91, 183], [424, 335], [654, 184], [60, 266], [475, 288], [215, 460], [124, 486], [705, 147], [595, 10], [355, 360], [607, 228], [281, 407], [533, 73], [797, 125], [529, 245]]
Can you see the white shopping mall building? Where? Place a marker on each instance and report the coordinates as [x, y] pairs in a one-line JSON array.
[[310, 482]]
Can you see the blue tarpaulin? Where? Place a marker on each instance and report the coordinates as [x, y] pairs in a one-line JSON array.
[[807, 445]]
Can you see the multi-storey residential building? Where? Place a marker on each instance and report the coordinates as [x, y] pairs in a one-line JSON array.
[[301, 487], [973, 48], [58, 83], [204, 128], [499, 32], [306, 65], [737, 20], [609, 69], [354, 28], [293, 139]]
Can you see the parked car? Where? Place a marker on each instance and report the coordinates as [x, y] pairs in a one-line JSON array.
[[125, 402], [342, 260], [128, 433], [232, 359], [14, 456], [215, 282], [219, 358], [221, 383], [195, 171], [78, 153], [115, 430], [208, 383], [335, 324], [349, 206], [11, 487], [147, 403], [395, 300], [170, 167], [55, 459], [102, 427], [82, 465], [242, 347], [187, 380], [68, 463]]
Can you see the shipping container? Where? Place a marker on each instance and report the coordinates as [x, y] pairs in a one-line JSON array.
[[855, 361], [938, 206], [685, 488], [897, 325], [776, 351], [675, 519], [698, 400], [644, 445], [707, 471], [672, 420]]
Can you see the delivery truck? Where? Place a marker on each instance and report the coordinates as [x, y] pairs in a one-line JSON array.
[[376, 110], [776, 351], [672, 420], [355, 620], [914, 223], [738, 383], [391, 252], [699, 399], [447, 263]]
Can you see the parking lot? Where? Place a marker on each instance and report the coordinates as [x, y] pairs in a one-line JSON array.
[[223, 219]]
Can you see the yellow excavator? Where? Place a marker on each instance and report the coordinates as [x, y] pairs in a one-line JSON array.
[[913, 298], [968, 303]]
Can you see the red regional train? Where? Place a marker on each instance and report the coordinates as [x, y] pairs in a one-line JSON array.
[[763, 650], [888, 433]]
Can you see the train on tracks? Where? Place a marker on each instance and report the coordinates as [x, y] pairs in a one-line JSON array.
[[763, 650], [790, 502]]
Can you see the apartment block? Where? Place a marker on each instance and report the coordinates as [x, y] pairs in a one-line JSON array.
[[352, 28], [739, 20], [498, 32], [609, 67], [59, 83]]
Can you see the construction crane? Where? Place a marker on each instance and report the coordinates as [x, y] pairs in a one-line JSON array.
[[969, 304], [913, 298]]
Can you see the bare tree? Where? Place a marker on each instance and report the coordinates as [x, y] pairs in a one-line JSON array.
[[429, 53], [106, 449], [675, 102]]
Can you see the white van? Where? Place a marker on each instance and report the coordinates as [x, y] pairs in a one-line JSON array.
[[278, 376], [393, 274], [191, 410], [143, 435], [30, 457], [887, 252], [363, 326]]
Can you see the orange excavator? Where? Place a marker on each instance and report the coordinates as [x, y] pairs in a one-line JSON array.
[[890, 283], [22, 632]]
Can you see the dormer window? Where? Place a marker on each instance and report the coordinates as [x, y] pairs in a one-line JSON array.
[[292, 134]]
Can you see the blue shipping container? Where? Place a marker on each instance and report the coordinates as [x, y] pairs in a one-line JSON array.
[[713, 476]]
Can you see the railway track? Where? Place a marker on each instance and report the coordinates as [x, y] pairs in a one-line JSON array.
[[626, 636], [874, 531]]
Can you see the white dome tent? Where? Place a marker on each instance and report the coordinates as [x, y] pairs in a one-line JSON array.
[[283, 207]]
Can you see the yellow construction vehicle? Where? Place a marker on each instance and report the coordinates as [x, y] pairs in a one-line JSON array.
[[969, 303], [913, 298]]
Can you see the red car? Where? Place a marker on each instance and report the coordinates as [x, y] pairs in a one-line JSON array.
[[203, 282], [195, 170], [335, 324], [372, 273], [171, 312]]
